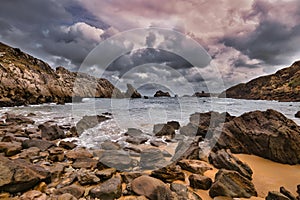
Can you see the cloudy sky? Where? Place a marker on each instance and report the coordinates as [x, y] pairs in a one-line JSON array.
[[245, 38]]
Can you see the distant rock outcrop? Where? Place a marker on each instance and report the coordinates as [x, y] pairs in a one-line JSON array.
[[284, 85], [160, 93], [28, 80], [132, 92], [201, 94]]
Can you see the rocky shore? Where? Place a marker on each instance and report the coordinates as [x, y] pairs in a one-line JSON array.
[[43, 161]]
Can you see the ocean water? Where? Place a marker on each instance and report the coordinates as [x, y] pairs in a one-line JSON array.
[[143, 113]]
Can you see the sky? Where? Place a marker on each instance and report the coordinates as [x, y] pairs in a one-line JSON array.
[[244, 38]]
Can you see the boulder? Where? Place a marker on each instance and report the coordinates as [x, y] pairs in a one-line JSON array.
[[174, 124], [132, 92], [56, 154], [232, 184], [198, 181], [43, 145], [160, 93], [67, 145], [51, 132], [169, 173], [163, 130], [19, 175], [105, 173], [10, 148], [268, 134], [86, 177], [109, 145], [75, 190], [297, 115], [224, 159], [152, 188], [88, 122], [78, 153], [180, 189], [152, 158], [86, 163], [108, 190], [194, 166]]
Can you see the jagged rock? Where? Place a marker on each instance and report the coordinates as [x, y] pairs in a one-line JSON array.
[[174, 124], [198, 181], [88, 122], [163, 130], [86, 177], [27, 80], [108, 190], [287, 193], [274, 195], [132, 92], [75, 190], [187, 149], [297, 114], [67, 145], [152, 158], [51, 132], [180, 189], [160, 93], [232, 184], [152, 188], [43, 145], [194, 166], [56, 154], [18, 175], [33, 195], [281, 86], [268, 134], [224, 159], [127, 177], [106, 173], [169, 173], [10, 148]]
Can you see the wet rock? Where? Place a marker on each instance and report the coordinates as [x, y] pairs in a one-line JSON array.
[[18, 175], [132, 92], [78, 153], [86, 177], [87, 163], [174, 124], [75, 190], [56, 154], [169, 173], [117, 159], [180, 189], [43, 145], [108, 190], [51, 132], [67, 145], [33, 195], [88, 122], [297, 115], [287, 193], [232, 184], [160, 93], [274, 195], [152, 188], [200, 182], [224, 159], [152, 158], [10, 148], [163, 130], [105, 173], [194, 166], [268, 134], [108, 145]]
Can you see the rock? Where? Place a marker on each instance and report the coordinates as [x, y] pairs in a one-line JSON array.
[[273, 195], [66, 196], [298, 190], [194, 196], [67, 145], [152, 158], [200, 182], [232, 184], [160, 93], [281, 86], [56, 170], [86, 177], [43, 145], [18, 119], [67, 181], [56, 154], [88, 122], [78, 153], [201, 94], [163, 130], [75, 190], [287, 193], [194, 166], [180, 189], [29, 153], [119, 160], [87, 163], [132, 92], [33, 195], [152, 188], [297, 115], [186, 149], [127, 177], [52, 132], [133, 132], [223, 159], [137, 140], [268, 134], [106, 173], [169, 173], [174, 124], [18, 175], [157, 143], [108, 190], [10, 148], [108, 145]]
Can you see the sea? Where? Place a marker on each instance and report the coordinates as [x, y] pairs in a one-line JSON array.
[[141, 113]]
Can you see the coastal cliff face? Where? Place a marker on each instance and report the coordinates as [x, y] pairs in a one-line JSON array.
[[284, 85], [28, 80]]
